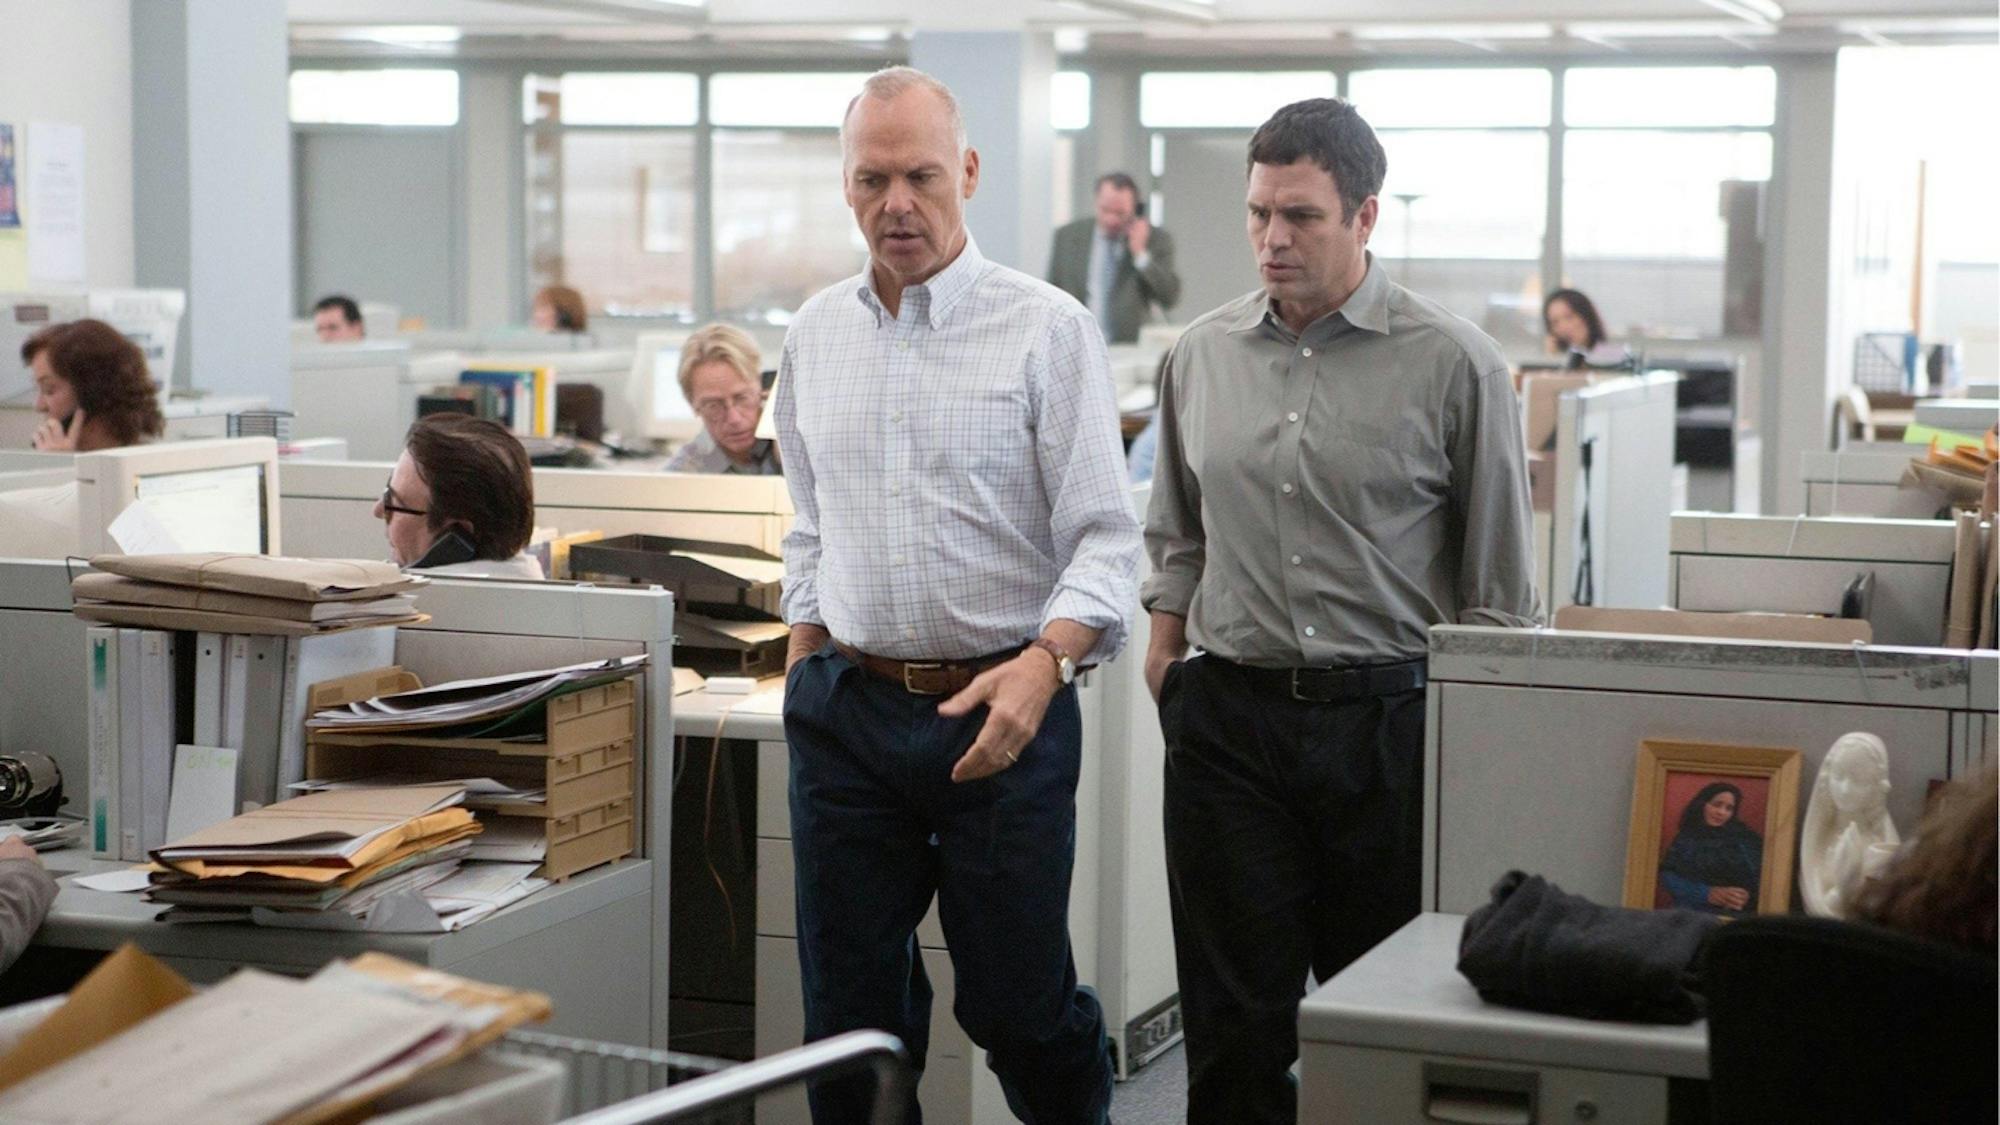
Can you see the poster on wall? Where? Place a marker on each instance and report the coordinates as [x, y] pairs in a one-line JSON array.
[[10, 192], [13, 240], [54, 182]]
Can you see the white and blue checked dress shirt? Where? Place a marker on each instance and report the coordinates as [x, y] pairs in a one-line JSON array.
[[956, 469]]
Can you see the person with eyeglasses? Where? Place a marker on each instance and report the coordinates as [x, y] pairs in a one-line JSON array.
[[720, 377], [461, 501]]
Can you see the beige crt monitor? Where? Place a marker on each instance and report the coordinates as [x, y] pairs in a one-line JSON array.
[[663, 411], [216, 495]]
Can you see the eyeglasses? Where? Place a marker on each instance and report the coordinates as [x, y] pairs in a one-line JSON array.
[[390, 507], [716, 409]]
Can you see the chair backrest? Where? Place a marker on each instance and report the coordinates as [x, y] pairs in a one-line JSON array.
[[1831, 1022]]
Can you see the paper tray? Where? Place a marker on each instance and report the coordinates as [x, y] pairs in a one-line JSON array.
[[668, 562]]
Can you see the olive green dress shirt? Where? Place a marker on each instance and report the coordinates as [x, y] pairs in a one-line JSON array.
[[1322, 499]]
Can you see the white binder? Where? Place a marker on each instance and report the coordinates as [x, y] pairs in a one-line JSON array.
[[209, 666], [159, 720], [101, 674], [263, 699], [131, 795]]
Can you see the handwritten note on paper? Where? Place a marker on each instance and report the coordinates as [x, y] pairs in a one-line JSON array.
[[204, 789]]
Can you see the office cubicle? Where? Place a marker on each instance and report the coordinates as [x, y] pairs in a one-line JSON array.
[[1532, 736], [1863, 479], [1604, 541], [1804, 564], [327, 509]]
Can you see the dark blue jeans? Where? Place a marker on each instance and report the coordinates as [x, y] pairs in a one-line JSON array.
[[878, 828]]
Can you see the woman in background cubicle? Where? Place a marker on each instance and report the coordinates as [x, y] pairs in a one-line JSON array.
[[722, 380], [92, 387], [558, 308], [461, 500], [1576, 331]]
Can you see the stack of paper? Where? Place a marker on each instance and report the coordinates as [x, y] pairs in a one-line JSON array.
[[300, 1052], [339, 851], [245, 594], [493, 707]]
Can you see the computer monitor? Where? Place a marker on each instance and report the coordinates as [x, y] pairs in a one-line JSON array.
[[21, 316], [217, 495], [150, 318], [663, 410]]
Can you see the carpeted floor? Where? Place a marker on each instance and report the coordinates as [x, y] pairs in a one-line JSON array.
[[1157, 1095]]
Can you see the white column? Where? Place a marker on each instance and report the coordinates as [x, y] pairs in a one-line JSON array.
[[1001, 80], [212, 198], [491, 116], [1795, 409]]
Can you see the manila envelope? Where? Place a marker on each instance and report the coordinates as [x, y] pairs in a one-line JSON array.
[[319, 827], [308, 580], [124, 989]]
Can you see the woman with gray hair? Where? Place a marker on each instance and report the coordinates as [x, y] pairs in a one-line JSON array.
[[721, 378]]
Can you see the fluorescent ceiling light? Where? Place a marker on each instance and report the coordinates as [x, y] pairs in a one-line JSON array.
[[1755, 11], [413, 34], [1190, 11], [1072, 40], [1454, 31], [680, 10], [1661, 29]]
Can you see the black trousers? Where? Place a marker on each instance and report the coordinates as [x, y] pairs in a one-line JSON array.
[[1293, 845]]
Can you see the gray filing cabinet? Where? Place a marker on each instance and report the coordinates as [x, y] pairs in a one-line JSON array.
[[1399, 1038]]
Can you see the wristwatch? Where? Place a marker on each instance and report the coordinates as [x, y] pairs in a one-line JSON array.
[[1065, 667]]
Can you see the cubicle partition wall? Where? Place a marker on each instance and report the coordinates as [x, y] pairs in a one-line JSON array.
[[327, 508], [1863, 479], [1803, 564], [1606, 535], [364, 392], [44, 699], [1532, 737]]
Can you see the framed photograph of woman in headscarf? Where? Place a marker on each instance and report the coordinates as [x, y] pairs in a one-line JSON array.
[[1714, 828]]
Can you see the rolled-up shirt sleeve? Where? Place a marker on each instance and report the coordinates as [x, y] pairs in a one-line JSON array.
[[1175, 542], [1091, 522], [1496, 573], [26, 891], [799, 603]]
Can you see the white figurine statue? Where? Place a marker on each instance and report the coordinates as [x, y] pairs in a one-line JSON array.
[[1848, 835]]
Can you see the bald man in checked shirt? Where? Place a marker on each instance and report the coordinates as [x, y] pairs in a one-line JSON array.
[[964, 539]]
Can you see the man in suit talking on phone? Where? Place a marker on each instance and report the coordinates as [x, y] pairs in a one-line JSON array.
[[1117, 263]]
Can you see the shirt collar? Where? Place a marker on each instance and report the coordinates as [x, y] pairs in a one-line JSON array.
[[938, 296], [1366, 308]]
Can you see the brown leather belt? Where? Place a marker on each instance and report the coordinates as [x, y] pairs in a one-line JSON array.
[[923, 677]]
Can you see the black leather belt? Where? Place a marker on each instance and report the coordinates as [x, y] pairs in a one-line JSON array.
[[1336, 685]]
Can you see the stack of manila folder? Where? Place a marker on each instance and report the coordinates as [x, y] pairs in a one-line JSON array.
[[316, 853], [257, 594]]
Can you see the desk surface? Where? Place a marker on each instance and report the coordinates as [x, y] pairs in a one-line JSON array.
[[1406, 994], [87, 919], [703, 714]]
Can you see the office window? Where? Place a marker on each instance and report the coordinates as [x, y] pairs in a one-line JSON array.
[[1463, 194], [1393, 99], [1069, 99], [1225, 99], [590, 97], [374, 97], [782, 100], [782, 229], [612, 213], [1674, 96], [1646, 194]]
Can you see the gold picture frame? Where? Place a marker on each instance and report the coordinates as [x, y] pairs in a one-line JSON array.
[[1671, 774]]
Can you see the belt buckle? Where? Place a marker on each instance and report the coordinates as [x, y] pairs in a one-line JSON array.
[[1295, 688], [920, 666]]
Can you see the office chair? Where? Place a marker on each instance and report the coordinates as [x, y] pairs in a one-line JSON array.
[[1839, 1023]]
